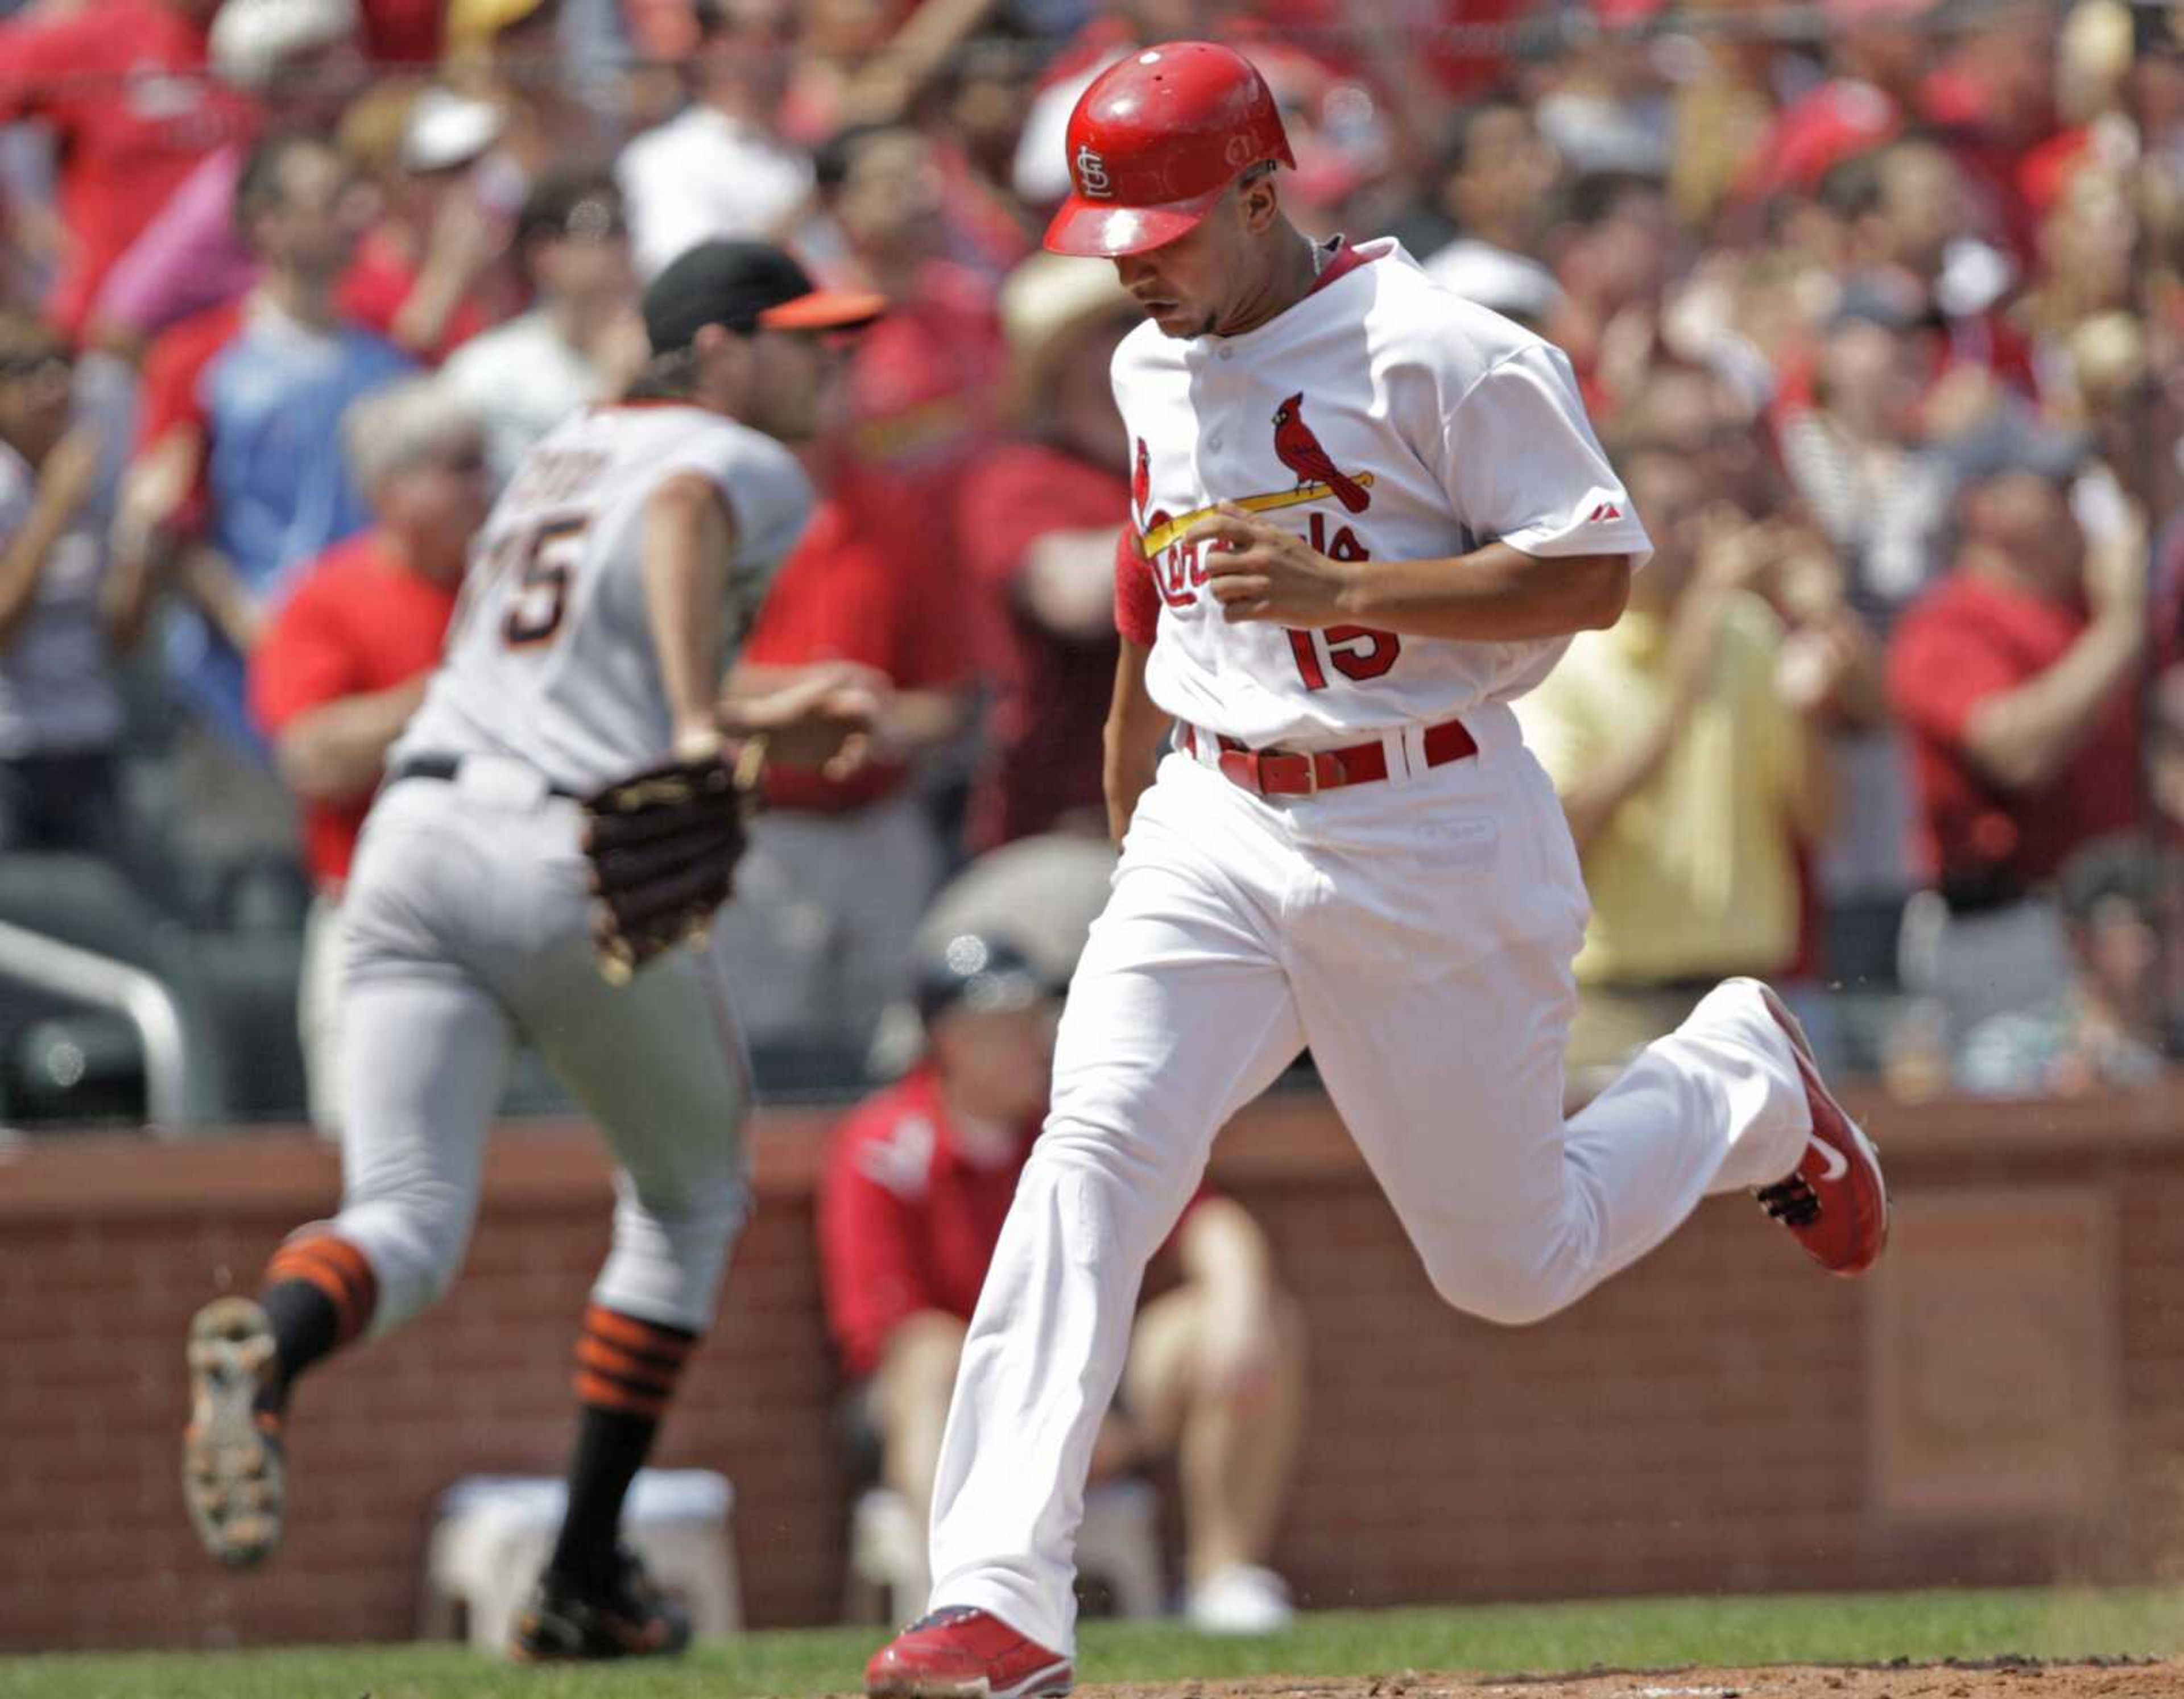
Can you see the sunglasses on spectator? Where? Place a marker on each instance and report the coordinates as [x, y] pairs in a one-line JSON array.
[[594, 221], [41, 363]]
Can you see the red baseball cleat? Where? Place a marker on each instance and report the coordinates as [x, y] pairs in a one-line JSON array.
[[957, 1653], [1835, 1199]]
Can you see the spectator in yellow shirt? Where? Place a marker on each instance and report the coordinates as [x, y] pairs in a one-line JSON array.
[[1688, 778]]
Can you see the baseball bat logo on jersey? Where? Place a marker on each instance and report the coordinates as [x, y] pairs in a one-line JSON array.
[[1295, 446]]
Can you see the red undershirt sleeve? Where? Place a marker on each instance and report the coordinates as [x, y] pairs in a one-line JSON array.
[[1137, 600]]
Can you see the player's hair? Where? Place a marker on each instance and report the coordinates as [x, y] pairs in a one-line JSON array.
[[391, 428], [669, 377]]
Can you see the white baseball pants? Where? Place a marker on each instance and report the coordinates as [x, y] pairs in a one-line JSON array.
[[1416, 933], [467, 923]]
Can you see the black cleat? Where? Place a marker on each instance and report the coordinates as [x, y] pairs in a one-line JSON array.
[[571, 1621]]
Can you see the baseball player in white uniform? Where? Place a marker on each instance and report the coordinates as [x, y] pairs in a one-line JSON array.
[[607, 594], [1368, 515]]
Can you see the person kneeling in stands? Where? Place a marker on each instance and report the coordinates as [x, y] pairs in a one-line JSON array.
[[917, 1184]]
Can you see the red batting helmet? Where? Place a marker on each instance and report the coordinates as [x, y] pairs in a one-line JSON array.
[[1154, 142]]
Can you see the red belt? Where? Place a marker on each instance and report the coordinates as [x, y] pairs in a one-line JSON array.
[[1279, 772]]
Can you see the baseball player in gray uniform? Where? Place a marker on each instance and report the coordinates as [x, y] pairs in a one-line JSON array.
[[608, 593]]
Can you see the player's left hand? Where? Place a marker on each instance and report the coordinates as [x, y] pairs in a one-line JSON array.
[[663, 845], [1257, 570]]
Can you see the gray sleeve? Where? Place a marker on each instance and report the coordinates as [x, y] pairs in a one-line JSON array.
[[767, 493]]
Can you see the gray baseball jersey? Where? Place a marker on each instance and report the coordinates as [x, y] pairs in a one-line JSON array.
[[550, 659], [467, 918]]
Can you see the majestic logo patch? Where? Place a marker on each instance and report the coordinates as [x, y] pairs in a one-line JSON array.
[[1092, 177], [1601, 515]]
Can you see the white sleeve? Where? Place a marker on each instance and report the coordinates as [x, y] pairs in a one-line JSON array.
[[1521, 464]]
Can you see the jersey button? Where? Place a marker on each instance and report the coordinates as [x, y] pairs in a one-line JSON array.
[[1213, 442]]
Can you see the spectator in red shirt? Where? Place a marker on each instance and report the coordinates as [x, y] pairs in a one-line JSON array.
[[432, 272], [1922, 238], [1040, 517], [344, 661], [839, 870], [297, 61], [917, 1183], [2016, 680], [917, 402], [121, 85], [1614, 253], [1880, 55]]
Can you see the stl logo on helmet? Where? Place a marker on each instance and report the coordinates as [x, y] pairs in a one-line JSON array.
[[1092, 178]]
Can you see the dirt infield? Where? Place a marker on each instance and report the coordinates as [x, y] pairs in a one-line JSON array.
[[2016, 1678]]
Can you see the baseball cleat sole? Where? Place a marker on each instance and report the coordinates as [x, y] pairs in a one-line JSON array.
[[233, 1481]]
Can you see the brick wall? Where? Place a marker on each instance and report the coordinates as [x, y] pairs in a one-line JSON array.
[[2004, 1402]]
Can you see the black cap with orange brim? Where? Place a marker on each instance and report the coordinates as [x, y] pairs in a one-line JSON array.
[[746, 286]]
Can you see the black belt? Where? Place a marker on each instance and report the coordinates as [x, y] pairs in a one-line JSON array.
[[445, 767]]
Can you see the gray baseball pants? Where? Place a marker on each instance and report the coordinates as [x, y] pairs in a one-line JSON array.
[[467, 918]]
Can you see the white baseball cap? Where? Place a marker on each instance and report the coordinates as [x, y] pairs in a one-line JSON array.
[[251, 38], [445, 130]]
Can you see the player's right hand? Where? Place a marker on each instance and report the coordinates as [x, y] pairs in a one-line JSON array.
[[1257, 570], [824, 717]]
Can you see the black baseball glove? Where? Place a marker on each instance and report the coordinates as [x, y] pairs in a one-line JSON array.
[[663, 844]]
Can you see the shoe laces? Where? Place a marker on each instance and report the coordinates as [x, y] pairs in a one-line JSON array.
[[1793, 1202], [946, 1617]]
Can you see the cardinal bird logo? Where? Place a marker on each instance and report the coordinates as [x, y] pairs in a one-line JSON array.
[[1141, 481], [1298, 449]]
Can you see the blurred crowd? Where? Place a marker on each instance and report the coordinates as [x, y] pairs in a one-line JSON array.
[[1878, 305]]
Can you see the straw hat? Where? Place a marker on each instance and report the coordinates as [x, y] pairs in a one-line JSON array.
[[1044, 302]]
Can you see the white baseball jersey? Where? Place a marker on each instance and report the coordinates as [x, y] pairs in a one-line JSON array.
[[551, 658], [1383, 418]]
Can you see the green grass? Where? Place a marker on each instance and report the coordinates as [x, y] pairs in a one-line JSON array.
[[1497, 1638]]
